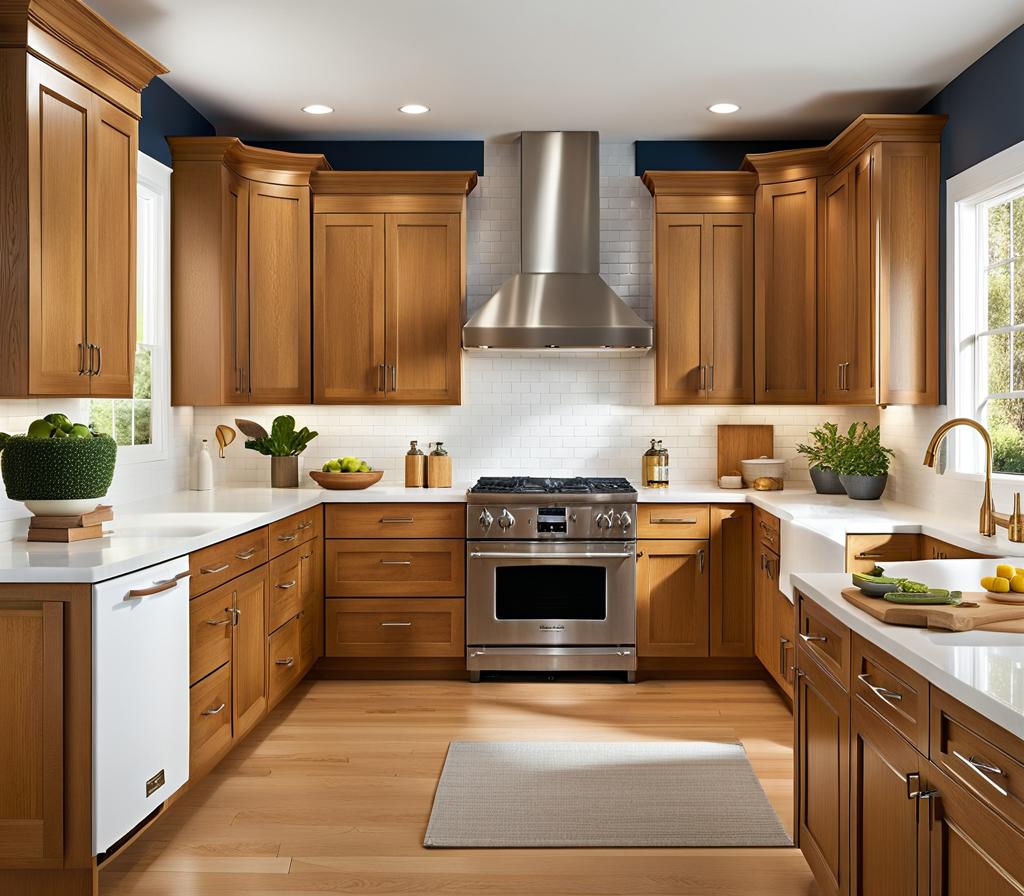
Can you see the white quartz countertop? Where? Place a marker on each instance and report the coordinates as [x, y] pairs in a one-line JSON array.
[[984, 670]]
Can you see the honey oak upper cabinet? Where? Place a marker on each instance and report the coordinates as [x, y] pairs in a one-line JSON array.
[[241, 270], [389, 285], [704, 286], [69, 113]]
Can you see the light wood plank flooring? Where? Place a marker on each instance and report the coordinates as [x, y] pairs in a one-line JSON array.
[[332, 792]]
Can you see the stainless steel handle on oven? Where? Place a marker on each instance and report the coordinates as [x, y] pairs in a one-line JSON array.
[[284, 586], [211, 570], [157, 587], [499, 555], [981, 768], [887, 696], [396, 624], [214, 711]]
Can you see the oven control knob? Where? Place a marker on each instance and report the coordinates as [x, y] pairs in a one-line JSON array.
[[603, 520], [625, 521], [506, 520], [486, 519]]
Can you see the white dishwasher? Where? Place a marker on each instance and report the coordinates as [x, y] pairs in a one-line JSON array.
[[140, 698]]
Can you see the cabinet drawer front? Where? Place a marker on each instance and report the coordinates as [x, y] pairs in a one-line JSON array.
[[220, 563], [417, 627], [934, 549], [210, 719], [284, 659], [285, 589], [826, 639], [395, 520], [766, 528], [898, 694], [209, 618], [987, 760], [864, 552], [396, 568], [673, 521], [294, 530]]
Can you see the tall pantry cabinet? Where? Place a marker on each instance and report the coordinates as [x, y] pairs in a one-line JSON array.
[[69, 116]]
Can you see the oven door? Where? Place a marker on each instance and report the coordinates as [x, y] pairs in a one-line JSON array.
[[530, 593]]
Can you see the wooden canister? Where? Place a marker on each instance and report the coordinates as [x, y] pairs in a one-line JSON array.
[[439, 468], [415, 467]]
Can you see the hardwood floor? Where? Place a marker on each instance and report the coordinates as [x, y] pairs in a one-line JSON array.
[[331, 794]]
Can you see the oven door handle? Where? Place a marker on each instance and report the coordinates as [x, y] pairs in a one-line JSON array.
[[524, 555]]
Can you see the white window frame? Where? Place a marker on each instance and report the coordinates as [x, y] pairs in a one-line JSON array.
[[153, 286], [967, 195]]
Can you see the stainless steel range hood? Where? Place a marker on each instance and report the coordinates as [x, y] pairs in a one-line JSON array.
[[560, 300]]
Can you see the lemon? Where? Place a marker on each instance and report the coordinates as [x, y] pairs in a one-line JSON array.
[[1000, 585], [987, 581], [1020, 571], [1005, 571]]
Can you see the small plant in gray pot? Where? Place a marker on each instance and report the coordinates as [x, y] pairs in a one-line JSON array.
[[822, 455], [863, 462], [283, 444]]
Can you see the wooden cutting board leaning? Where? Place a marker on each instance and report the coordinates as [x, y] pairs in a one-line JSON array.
[[988, 615]]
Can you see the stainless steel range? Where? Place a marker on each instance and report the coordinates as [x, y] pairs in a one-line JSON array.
[[551, 576]]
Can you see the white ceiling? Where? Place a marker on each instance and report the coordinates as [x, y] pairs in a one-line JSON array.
[[640, 69]]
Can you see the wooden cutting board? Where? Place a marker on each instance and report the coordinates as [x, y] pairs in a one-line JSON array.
[[989, 614], [736, 443]]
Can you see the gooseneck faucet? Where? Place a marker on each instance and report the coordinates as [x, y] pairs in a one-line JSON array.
[[989, 518]]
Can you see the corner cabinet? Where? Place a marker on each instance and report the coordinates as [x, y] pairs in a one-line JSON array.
[[241, 270], [70, 110], [389, 285], [704, 286]]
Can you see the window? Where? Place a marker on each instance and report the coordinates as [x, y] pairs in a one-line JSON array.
[[139, 424], [986, 311]]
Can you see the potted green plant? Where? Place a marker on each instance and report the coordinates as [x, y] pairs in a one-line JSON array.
[[822, 455], [283, 444], [863, 462]]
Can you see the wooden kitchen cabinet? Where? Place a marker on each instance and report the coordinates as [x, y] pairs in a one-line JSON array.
[[732, 581], [773, 621], [70, 101], [865, 552], [704, 286], [248, 646], [396, 627], [241, 258], [673, 598], [311, 579], [400, 567], [935, 549]]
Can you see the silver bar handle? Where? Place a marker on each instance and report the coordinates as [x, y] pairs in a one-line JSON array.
[[394, 377], [396, 562], [396, 624], [284, 586], [887, 696], [523, 555], [711, 378], [212, 570], [287, 662], [305, 524], [291, 537], [700, 560], [703, 378], [99, 360], [229, 621], [980, 767], [158, 587], [869, 555], [396, 519], [809, 638], [247, 554], [81, 359], [382, 383], [214, 711], [783, 644]]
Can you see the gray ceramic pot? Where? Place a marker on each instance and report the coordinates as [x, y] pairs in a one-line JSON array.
[[864, 488], [284, 472], [826, 481]]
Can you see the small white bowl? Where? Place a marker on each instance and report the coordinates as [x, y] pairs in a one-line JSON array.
[[756, 468], [63, 507]]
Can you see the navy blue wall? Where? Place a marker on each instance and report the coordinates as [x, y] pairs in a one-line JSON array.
[[166, 113], [390, 155], [706, 155]]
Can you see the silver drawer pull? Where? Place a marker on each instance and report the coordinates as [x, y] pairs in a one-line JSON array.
[[284, 586], [214, 711], [288, 662], [880, 692], [821, 638], [305, 556], [672, 521], [212, 570], [247, 555], [981, 767], [158, 587], [397, 519], [396, 562], [291, 537], [869, 555], [396, 624], [228, 621], [307, 524]]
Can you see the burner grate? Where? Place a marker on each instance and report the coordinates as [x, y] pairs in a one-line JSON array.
[[526, 485]]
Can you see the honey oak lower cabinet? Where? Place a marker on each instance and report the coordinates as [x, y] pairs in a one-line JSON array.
[[732, 581], [865, 552], [773, 621], [673, 579]]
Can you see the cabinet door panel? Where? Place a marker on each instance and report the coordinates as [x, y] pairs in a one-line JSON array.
[[279, 300], [765, 636], [423, 270], [235, 261], [32, 762], [681, 258], [732, 581], [673, 595], [110, 304], [248, 657], [348, 308], [58, 154], [836, 283], [860, 375], [727, 319], [785, 330]]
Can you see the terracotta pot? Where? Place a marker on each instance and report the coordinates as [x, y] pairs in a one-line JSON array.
[[284, 472]]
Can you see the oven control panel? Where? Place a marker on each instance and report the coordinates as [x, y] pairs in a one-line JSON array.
[[551, 521]]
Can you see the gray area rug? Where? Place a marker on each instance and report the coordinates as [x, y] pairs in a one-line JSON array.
[[528, 794]]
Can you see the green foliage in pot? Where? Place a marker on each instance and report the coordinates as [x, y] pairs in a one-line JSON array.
[[861, 452], [824, 450], [284, 440]]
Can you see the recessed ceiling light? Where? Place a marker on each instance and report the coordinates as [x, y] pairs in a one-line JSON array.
[[723, 108], [414, 108], [317, 109]]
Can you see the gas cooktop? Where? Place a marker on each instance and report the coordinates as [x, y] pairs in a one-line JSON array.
[[530, 485]]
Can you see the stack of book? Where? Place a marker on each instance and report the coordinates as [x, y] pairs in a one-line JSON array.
[[70, 528]]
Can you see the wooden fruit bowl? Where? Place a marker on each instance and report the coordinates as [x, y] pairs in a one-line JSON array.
[[345, 481]]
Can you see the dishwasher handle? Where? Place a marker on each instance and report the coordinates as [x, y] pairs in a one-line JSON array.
[[158, 587]]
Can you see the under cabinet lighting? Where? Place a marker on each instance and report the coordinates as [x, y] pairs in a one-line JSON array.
[[723, 108], [318, 109]]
